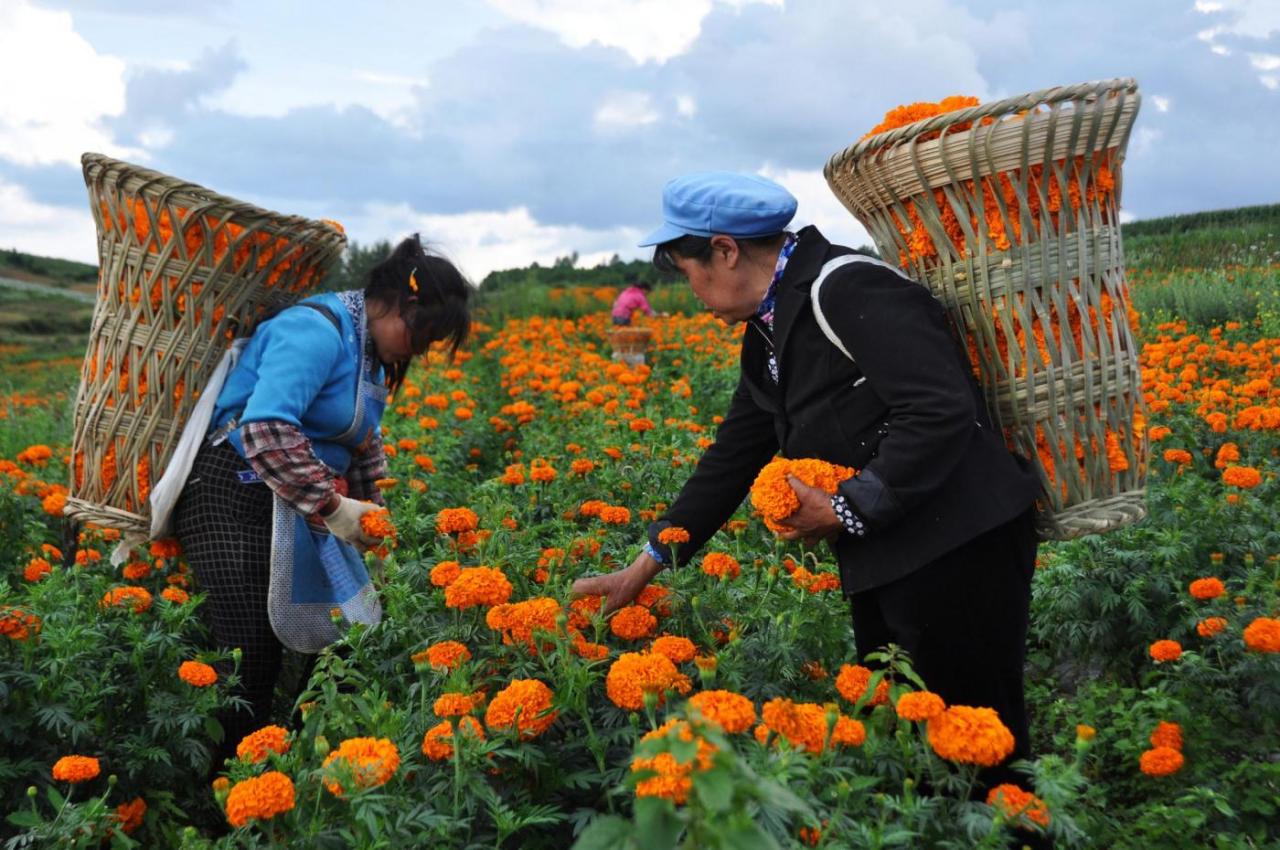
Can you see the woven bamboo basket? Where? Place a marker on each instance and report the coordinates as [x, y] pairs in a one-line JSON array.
[[182, 271], [1008, 212]]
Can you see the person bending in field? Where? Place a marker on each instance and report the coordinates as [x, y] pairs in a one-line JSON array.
[[935, 534]]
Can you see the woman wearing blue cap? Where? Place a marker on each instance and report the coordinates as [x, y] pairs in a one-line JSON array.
[[847, 360]]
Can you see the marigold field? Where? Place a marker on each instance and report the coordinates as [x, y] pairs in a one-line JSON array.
[[724, 709]]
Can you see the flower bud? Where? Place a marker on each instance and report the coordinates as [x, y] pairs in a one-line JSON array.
[[321, 746]]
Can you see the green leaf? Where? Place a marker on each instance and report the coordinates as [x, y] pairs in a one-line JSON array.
[[26, 819], [715, 789], [658, 827], [747, 836], [606, 832]]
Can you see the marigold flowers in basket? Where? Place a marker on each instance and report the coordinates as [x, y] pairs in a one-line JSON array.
[[773, 496]]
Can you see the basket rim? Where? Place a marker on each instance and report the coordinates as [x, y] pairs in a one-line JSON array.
[[1007, 105], [170, 185]]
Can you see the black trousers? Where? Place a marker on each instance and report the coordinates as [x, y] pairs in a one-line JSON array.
[[225, 530], [963, 618]]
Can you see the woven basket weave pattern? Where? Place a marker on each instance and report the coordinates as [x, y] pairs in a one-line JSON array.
[[1009, 213], [182, 271]]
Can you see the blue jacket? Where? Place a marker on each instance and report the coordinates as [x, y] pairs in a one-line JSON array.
[[298, 369]]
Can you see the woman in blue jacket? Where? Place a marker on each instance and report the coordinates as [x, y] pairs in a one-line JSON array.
[[269, 518]]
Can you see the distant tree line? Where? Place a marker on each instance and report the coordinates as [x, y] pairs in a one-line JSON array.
[[1174, 224]]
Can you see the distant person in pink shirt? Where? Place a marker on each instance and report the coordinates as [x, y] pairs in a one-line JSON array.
[[630, 299]]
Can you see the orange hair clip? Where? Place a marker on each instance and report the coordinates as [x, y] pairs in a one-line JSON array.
[[413, 280]]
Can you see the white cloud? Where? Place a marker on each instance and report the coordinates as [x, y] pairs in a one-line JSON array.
[[1161, 102], [624, 111], [57, 90], [46, 230], [1253, 19], [647, 30], [482, 241], [1249, 18], [686, 106], [819, 206]]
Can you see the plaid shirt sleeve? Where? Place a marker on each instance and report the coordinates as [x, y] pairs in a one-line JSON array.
[[281, 455], [366, 468]]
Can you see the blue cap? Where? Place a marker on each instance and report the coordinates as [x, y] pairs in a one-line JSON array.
[[710, 202]]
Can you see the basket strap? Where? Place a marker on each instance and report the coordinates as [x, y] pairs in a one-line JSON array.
[[827, 269]]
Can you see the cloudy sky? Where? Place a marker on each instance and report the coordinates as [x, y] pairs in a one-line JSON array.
[[509, 131]]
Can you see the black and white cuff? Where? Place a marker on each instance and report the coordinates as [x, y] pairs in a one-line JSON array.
[[849, 518]]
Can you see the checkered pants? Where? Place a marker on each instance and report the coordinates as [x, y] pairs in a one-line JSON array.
[[225, 530]]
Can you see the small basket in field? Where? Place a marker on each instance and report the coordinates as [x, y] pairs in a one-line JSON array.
[[629, 344], [1009, 213], [182, 272]]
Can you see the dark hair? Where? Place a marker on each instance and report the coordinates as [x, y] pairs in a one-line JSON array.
[[699, 248], [438, 309], [647, 286]]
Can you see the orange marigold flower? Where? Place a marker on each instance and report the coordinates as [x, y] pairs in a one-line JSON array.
[[519, 622], [444, 573], [1165, 650], [542, 472], [54, 503], [1207, 588], [732, 712], [36, 569], [582, 466], [136, 570], [615, 515], [1167, 734], [1182, 457], [378, 524], [75, 769], [636, 673], [18, 625], [773, 496], [437, 744], [920, 705], [1014, 802], [1228, 454], [525, 706], [445, 655], [1211, 626], [477, 586], [176, 595], [259, 798], [130, 815], [197, 674], [1085, 732], [371, 761], [970, 735], [803, 724], [673, 778], [255, 746], [678, 649], [456, 520], [720, 565], [1244, 477], [852, 683], [137, 598], [848, 732], [167, 547], [633, 623], [673, 534], [454, 704], [640, 424], [1161, 761], [1263, 635]]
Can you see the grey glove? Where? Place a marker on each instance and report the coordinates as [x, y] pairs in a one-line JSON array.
[[344, 522]]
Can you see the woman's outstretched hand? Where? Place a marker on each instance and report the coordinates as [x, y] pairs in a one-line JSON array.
[[622, 587]]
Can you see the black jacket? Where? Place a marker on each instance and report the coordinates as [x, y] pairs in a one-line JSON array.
[[934, 474]]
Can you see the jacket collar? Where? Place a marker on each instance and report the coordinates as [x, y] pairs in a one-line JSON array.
[[802, 269]]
